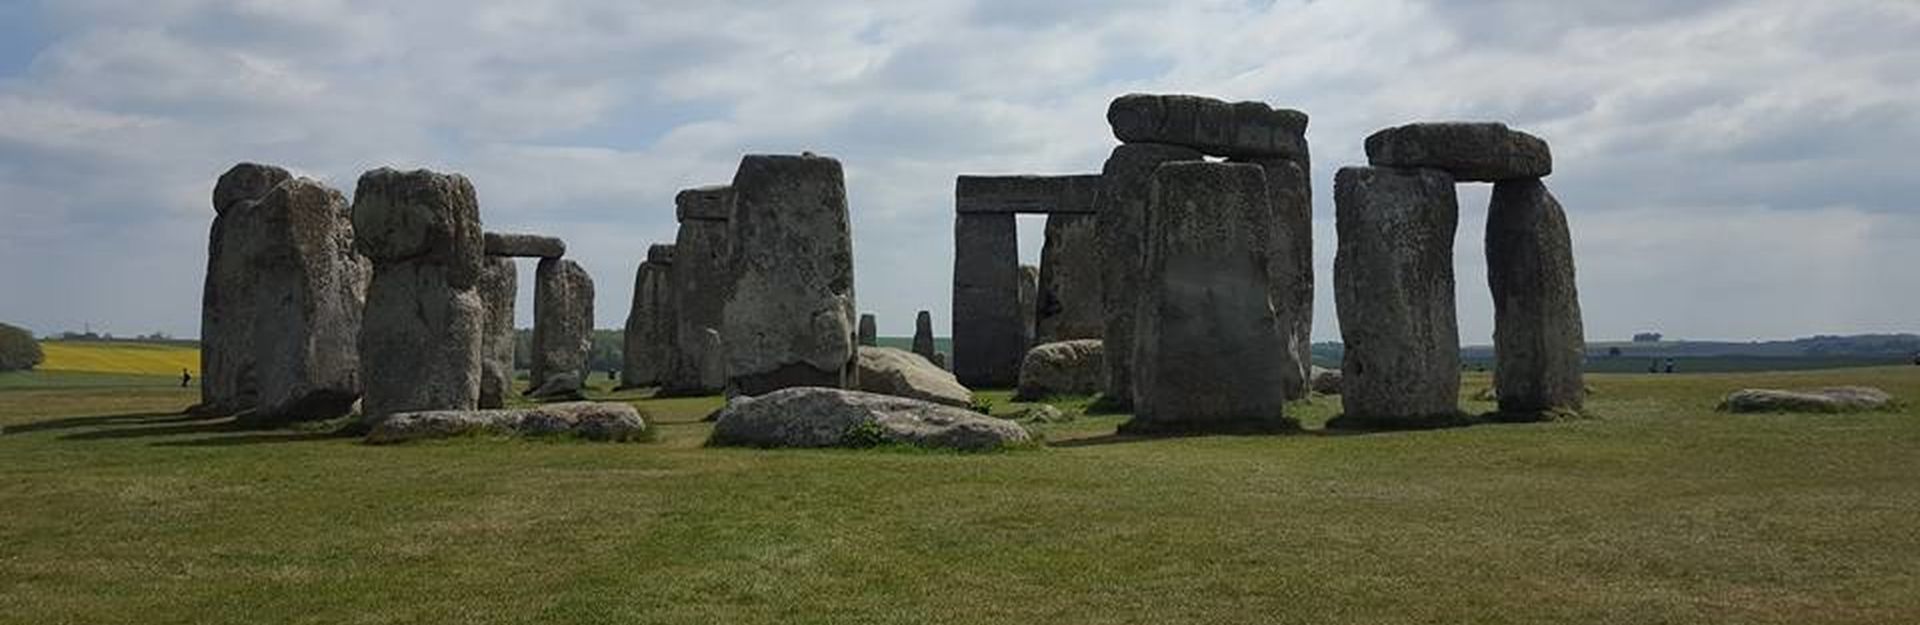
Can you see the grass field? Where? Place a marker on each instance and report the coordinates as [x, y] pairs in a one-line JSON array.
[[114, 509]]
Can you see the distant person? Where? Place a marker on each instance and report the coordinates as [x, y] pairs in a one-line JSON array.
[[1669, 365], [185, 378], [1916, 359], [1653, 366], [610, 374]]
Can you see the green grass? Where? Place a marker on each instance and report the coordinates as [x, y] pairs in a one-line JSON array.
[[114, 510]]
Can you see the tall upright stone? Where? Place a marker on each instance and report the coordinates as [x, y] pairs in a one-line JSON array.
[[789, 317], [1538, 337], [227, 382], [1290, 194], [696, 364], [869, 331], [562, 329], [499, 287], [652, 321], [988, 339], [1208, 351], [923, 335], [420, 339], [1122, 216], [1070, 302], [1394, 286], [1029, 303]]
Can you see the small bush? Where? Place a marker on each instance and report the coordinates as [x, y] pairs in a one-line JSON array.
[[981, 405], [18, 350]]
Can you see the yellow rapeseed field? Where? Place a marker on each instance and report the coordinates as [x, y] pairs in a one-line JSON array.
[[120, 357]]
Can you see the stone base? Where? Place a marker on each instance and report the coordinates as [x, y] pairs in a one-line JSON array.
[[1394, 424], [1535, 416], [1269, 425]]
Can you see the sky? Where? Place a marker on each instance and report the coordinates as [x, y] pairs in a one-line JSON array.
[[1730, 170]]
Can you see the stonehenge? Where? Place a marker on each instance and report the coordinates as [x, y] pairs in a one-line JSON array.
[[1068, 302], [524, 245], [1208, 350], [1394, 282], [993, 304], [283, 299], [1159, 129], [923, 337], [420, 336], [694, 363], [562, 329], [789, 316], [648, 340]]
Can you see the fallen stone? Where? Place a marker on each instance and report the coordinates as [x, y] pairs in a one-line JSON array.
[[827, 417], [587, 420], [1326, 381], [1539, 339], [1075, 367], [789, 317], [1216, 127], [901, 373], [1209, 352], [562, 329], [524, 245], [421, 334], [648, 344], [1393, 283], [1041, 413], [499, 286], [1828, 400], [1122, 215], [1470, 151]]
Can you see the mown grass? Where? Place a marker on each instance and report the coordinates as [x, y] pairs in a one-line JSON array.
[[115, 510]]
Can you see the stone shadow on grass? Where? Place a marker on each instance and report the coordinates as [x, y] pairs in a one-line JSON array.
[[131, 418]]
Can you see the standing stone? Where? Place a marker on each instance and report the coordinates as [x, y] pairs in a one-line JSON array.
[[499, 287], [789, 317], [1029, 302], [701, 276], [1470, 151], [1209, 350], [562, 329], [987, 336], [1393, 283], [652, 321], [1290, 194], [1070, 304], [420, 340], [869, 332], [304, 288], [1128, 180], [227, 383], [923, 335], [1538, 337]]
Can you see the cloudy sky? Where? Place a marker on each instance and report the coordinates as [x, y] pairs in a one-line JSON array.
[[1731, 169]]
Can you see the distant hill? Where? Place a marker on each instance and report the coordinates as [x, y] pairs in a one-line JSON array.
[[1815, 352]]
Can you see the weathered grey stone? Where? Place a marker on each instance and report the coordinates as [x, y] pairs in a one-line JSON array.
[[1029, 302], [789, 317], [709, 203], [901, 373], [1070, 302], [499, 287], [304, 289], [1076, 367], [420, 338], [1290, 192], [1830, 400], [1026, 194], [1393, 284], [923, 335], [869, 333], [1326, 381], [827, 417], [940, 360], [524, 245], [988, 334], [1041, 413], [648, 343], [1470, 151], [588, 420], [227, 382], [562, 329], [1213, 126], [1128, 179], [1539, 341], [701, 276], [1208, 350]]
